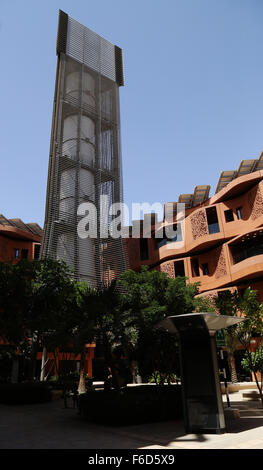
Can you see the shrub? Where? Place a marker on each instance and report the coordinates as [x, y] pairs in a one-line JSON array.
[[24, 393], [132, 405], [160, 378], [67, 382], [64, 381]]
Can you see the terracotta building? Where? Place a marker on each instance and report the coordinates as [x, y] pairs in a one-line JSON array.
[[220, 241], [19, 240]]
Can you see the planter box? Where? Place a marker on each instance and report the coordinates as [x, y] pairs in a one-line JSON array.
[[24, 393], [133, 405], [251, 395], [232, 388], [56, 394]]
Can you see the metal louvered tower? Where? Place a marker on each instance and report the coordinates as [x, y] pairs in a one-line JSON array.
[[85, 154]]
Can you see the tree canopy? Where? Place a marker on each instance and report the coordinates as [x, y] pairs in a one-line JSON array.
[[43, 306]]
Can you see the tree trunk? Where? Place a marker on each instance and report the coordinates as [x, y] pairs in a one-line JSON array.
[[254, 372], [34, 355], [259, 386], [43, 364], [232, 367], [15, 370], [110, 363], [82, 384]]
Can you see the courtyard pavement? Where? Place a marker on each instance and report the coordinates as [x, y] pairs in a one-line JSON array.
[[51, 426]]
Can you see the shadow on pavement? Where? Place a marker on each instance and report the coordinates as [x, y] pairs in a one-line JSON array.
[[251, 416], [244, 424], [51, 426], [160, 433]]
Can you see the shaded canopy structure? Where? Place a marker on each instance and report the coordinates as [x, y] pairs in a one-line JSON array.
[[202, 398]]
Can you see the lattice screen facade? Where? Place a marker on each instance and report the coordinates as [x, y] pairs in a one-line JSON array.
[[85, 154]]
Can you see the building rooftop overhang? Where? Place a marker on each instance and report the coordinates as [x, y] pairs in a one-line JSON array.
[[237, 186], [230, 184], [17, 229]]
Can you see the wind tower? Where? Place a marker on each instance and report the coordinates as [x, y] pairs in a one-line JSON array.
[[85, 152]]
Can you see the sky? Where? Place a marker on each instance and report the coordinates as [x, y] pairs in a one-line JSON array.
[[191, 106]]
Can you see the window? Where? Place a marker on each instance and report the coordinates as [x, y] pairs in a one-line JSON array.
[[16, 253], [36, 251], [205, 269], [144, 254], [212, 220], [241, 291], [195, 267], [179, 268], [229, 216], [178, 237], [24, 253], [239, 213]]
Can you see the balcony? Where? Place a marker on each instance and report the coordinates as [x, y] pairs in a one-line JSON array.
[[249, 246]]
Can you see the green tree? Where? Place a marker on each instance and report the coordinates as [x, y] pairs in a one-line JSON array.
[[247, 306], [114, 334], [15, 288], [253, 361], [51, 296], [252, 327], [203, 304], [147, 297], [68, 315], [84, 326], [37, 304], [227, 304]]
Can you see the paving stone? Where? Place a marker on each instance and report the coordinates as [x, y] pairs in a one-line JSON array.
[[50, 426]]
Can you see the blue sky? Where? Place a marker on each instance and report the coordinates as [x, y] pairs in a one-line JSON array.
[[191, 106]]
